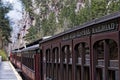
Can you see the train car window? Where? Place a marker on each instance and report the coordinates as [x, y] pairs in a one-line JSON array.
[[67, 55], [48, 55], [55, 54], [64, 54], [48, 64], [113, 54], [99, 52], [82, 51]]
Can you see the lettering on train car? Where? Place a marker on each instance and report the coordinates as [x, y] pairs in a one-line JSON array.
[[105, 27], [83, 32], [72, 35]]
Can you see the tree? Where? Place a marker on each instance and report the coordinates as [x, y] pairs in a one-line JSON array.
[[5, 29], [113, 6]]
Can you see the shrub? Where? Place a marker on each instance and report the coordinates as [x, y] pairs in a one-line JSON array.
[[3, 54]]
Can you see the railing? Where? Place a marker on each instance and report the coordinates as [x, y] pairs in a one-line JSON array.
[[87, 61], [70, 62], [100, 62], [113, 63], [79, 60]]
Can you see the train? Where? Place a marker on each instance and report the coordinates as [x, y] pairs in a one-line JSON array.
[[87, 52]]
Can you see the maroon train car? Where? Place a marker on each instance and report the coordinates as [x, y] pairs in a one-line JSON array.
[[27, 60], [87, 52]]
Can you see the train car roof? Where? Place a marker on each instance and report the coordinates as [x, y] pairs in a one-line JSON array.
[[31, 46], [87, 24], [34, 47], [33, 43], [16, 51]]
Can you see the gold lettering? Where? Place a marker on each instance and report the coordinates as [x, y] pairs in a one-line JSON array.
[[92, 30]]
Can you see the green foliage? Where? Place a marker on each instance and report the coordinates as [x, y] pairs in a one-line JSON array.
[[31, 35], [82, 16], [3, 55], [5, 29], [114, 6], [98, 8], [48, 25], [68, 12]]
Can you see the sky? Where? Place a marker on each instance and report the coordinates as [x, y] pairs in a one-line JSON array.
[[15, 15], [17, 9]]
